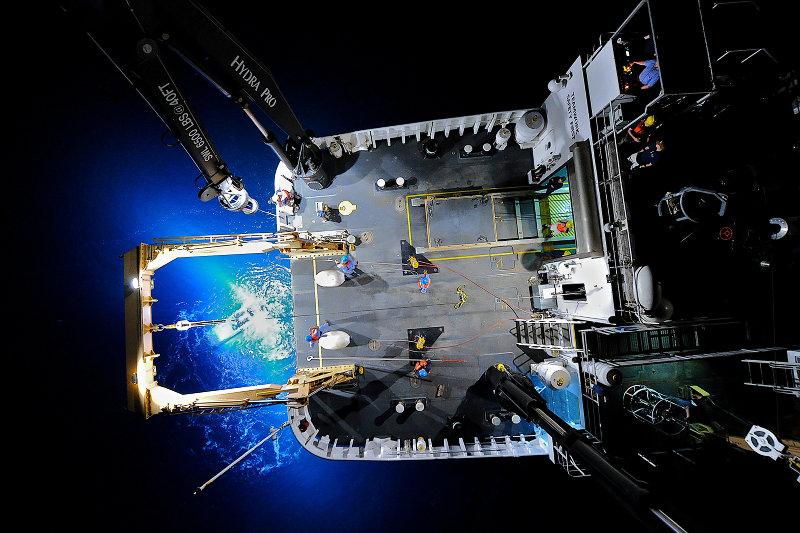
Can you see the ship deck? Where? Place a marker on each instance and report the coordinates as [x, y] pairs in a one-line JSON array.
[[472, 218]]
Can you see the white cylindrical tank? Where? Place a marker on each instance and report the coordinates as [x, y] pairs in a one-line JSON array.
[[552, 374], [646, 287], [334, 340], [605, 373], [329, 278], [529, 126]]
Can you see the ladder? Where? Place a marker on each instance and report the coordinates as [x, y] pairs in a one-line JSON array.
[[780, 376], [547, 334]]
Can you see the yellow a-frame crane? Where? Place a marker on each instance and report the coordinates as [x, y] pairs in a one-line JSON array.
[[145, 395]]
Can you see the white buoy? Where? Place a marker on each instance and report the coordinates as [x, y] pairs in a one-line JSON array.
[[552, 374], [420, 405], [334, 340], [329, 278], [400, 407], [381, 183], [400, 181]]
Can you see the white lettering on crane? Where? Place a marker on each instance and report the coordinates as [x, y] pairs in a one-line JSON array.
[[252, 80]]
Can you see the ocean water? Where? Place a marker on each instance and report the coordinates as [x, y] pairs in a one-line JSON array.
[[92, 180]]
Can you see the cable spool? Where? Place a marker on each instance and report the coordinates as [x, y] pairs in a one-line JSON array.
[[604, 373], [764, 442], [529, 126]]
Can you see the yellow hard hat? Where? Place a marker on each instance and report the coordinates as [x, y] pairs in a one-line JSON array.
[[650, 120]]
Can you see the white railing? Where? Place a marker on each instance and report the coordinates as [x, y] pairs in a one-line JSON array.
[[368, 139], [391, 449]]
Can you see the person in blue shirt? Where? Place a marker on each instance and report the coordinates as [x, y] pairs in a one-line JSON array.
[[424, 282], [647, 156], [422, 368], [650, 75], [316, 332]]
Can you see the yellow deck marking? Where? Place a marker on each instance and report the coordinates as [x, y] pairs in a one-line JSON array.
[[408, 217], [427, 226], [494, 218], [456, 194], [493, 255], [316, 307]]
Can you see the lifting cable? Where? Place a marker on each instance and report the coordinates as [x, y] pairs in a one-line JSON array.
[[436, 347], [183, 325], [476, 284], [410, 359]]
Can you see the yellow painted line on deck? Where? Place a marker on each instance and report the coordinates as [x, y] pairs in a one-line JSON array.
[[455, 193], [408, 217], [492, 255], [316, 307]]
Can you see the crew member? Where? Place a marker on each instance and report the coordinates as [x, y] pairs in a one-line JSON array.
[[561, 227], [552, 185], [640, 133], [282, 197], [346, 265], [316, 332], [422, 368], [647, 156], [424, 282]]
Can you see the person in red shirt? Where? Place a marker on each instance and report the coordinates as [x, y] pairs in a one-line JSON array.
[[640, 133]]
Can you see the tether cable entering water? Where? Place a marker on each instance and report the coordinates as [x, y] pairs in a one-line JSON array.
[[202, 487]]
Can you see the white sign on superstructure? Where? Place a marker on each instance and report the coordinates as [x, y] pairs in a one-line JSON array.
[[567, 115]]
